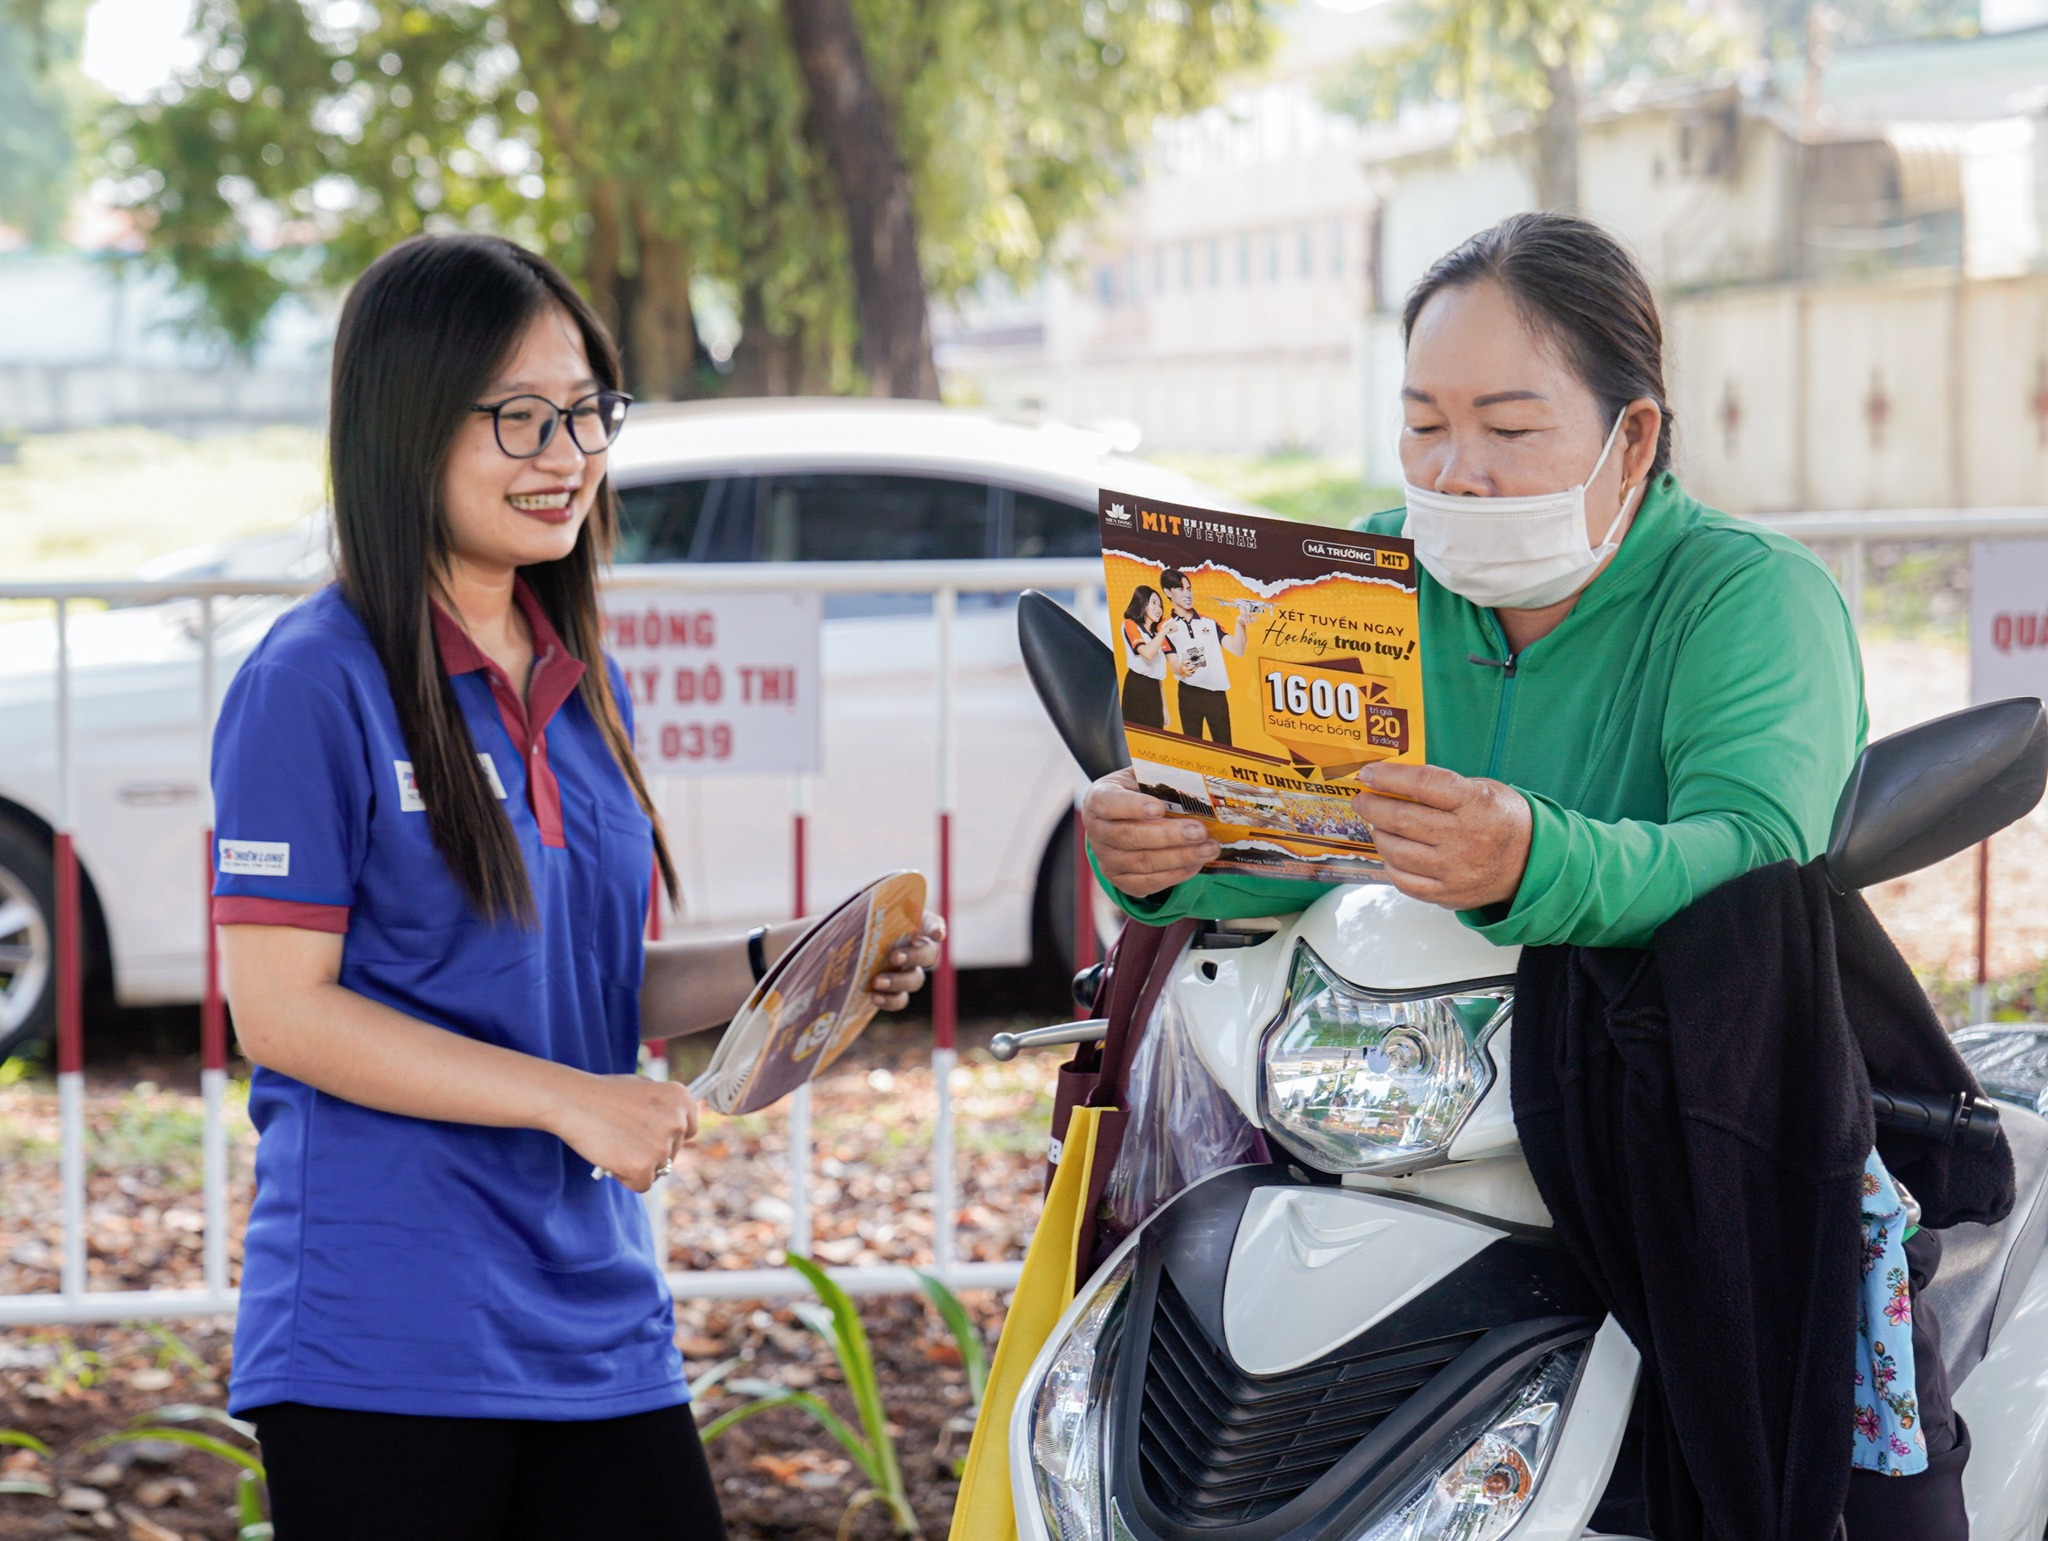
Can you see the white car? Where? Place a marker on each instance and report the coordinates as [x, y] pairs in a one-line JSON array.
[[714, 482]]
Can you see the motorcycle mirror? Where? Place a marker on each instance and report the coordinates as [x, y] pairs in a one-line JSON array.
[[1919, 797], [1074, 674]]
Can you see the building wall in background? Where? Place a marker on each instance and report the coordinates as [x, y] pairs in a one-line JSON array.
[[1853, 322], [1931, 394], [87, 340]]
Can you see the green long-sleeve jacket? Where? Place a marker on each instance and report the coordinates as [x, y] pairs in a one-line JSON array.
[[1693, 717]]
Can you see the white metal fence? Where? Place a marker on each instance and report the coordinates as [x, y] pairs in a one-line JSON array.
[[945, 582]]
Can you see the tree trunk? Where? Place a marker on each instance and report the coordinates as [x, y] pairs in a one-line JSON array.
[[662, 350], [765, 363], [604, 256], [850, 124], [1557, 133]]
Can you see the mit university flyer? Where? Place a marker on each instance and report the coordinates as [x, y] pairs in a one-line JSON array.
[[1262, 664]]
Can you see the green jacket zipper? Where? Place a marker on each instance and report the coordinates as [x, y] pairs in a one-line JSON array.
[[1506, 664]]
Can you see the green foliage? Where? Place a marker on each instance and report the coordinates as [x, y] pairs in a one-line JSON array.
[[172, 1349], [37, 96], [1292, 484], [28, 1486], [252, 1520], [24, 1441], [1859, 23], [872, 1447], [154, 1136], [1493, 57], [73, 1368], [642, 144], [966, 1335]]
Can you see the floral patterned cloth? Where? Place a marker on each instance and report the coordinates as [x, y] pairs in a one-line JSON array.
[[1887, 1433]]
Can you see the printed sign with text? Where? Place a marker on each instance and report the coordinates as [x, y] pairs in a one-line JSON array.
[[1262, 664], [720, 682]]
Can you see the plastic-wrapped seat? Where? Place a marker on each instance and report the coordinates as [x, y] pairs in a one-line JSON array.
[[1985, 1268]]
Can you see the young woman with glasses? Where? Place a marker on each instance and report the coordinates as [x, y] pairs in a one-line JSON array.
[[433, 864]]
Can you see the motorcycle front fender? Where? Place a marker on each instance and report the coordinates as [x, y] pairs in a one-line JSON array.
[[1282, 1285]]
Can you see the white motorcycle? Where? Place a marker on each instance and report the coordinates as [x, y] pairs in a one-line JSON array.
[[1373, 1338]]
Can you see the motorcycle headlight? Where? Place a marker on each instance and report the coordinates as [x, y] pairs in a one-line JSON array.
[[1484, 1491], [1067, 1449], [1355, 1081]]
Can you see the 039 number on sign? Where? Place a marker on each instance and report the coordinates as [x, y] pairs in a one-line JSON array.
[[719, 682]]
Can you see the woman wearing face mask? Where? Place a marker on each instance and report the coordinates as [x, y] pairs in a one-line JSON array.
[[433, 871], [1632, 698]]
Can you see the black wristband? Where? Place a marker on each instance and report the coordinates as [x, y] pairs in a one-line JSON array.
[[757, 955]]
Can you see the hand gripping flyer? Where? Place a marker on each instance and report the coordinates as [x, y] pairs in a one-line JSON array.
[[1263, 664]]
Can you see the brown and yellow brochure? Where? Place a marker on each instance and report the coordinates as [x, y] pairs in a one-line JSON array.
[[1262, 664]]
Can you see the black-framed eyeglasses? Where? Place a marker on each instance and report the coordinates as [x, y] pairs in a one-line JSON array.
[[525, 425]]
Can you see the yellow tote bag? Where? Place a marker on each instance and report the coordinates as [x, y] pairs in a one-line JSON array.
[[983, 1511]]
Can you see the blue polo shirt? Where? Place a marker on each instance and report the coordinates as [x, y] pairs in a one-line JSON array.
[[397, 1264]]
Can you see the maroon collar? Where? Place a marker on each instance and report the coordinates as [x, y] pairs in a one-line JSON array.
[[556, 673]]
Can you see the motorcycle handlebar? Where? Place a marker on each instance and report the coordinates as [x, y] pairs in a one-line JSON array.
[[1961, 1119]]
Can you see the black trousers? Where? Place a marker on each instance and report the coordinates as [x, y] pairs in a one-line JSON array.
[[348, 1476], [1201, 708], [1144, 704], [1927, 1506]]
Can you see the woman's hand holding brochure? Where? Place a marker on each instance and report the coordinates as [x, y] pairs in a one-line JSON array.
[[820, 994]]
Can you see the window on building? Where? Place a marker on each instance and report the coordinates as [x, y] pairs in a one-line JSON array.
[[1131, 278], [1159, 270], [1272, 256], [1105, 285], [1336, 248], [1308, 251], [1187, 264], [1215, 262], [1244, 258]]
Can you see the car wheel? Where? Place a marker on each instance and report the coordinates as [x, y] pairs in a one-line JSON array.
[[28, 940], [1053, 913]]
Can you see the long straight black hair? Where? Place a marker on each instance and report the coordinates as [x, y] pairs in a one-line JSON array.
[[423, 332]]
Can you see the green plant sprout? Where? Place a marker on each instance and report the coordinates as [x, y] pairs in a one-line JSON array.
[[74, 1368], [172, 1349], [873, 1449], [27, 1485], [966, 1335], [252, 1520]]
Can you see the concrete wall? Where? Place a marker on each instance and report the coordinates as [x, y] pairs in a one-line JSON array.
[[87, 340], [52, 398], [1294, 399], [1930, 394], [1925, 391]]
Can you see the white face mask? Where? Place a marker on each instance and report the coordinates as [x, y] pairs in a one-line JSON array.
[[1512, 553]]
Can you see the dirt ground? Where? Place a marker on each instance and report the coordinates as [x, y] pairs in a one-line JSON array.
[[1932, 914]]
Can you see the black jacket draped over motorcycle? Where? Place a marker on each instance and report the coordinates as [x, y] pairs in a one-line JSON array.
[[1697, 1116]]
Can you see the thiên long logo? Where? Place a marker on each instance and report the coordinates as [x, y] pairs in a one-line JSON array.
[[257, 858]]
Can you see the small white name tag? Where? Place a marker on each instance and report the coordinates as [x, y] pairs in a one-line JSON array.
[[409, 800], [1054, 1149], [257, 858]]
